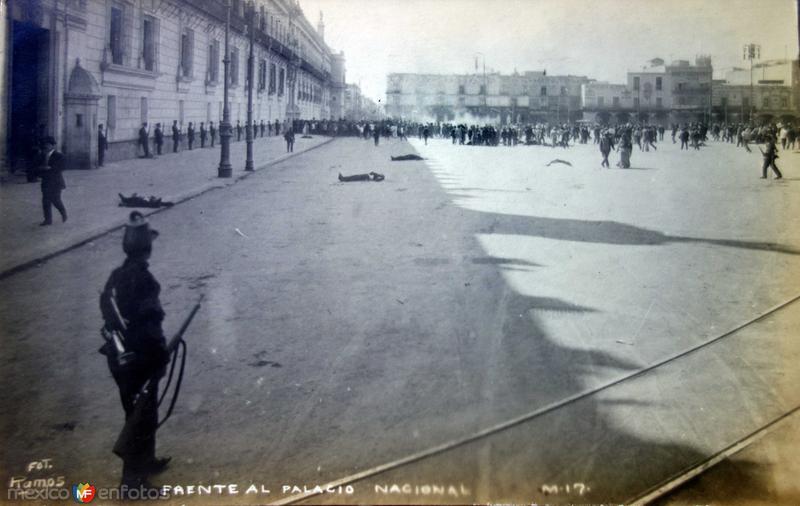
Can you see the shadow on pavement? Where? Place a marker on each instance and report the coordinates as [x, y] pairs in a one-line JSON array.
[[610, 232], [732, 481]]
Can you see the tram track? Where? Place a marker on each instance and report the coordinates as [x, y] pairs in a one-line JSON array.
[[646, 496]]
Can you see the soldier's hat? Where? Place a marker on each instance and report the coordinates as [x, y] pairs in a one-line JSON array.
[[138, 238]]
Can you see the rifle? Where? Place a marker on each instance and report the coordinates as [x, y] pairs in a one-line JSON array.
[[126, 441], [116, 338]]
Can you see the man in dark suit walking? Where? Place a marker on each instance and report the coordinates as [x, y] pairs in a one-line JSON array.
[[52, 163], [769, 159]]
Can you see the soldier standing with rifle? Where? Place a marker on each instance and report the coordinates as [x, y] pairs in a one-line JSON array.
[[130, 306]]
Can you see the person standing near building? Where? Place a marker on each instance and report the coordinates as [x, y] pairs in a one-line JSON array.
[[212, 131], [51, 164], [289, 137], [176, 136], [770, 155], [203, 134], [190, 135], [238, 131], [263, 128], [102, 145], [132, 294], [159, 138], [144, 140]]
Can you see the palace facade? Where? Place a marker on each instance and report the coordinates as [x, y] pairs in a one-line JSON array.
[[71, 65]]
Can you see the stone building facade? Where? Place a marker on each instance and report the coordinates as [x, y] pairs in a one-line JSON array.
[[678, 92], [530, 96], [662, 94], [74, 64]]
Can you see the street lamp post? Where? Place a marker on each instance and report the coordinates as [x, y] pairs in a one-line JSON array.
[[248, 164], [225, 169]]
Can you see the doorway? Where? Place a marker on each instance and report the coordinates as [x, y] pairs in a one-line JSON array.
[[29, 99]]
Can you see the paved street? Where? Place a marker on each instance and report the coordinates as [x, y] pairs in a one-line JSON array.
[[347, 326]]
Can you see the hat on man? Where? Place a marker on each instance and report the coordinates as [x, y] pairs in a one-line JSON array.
[[138, 238]]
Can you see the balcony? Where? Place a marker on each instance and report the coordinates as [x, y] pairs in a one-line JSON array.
[[216, 9]]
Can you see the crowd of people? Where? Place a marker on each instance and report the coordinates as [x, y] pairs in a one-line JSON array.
[[620, 138]]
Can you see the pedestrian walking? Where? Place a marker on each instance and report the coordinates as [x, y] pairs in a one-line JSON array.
[[625, 149], [606, 145], [770, 155], [51, 164], [684, 138], [130, 305], [102, 145]]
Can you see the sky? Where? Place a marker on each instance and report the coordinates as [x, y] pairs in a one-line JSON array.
[[601, 39]]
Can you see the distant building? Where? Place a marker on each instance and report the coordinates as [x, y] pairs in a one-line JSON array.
[[682, 92], [527, 97], [776, 91], [357, 107], [660, 94], [73, 64]]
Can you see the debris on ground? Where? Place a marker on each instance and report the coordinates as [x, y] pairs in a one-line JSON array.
[[403, 158], [372, 176], [558, 160], [136, 201], [306, 137]]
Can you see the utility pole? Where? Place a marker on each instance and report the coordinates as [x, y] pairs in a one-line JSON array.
[[225, 169], [751, 52], [485, 87], [248, 164]]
